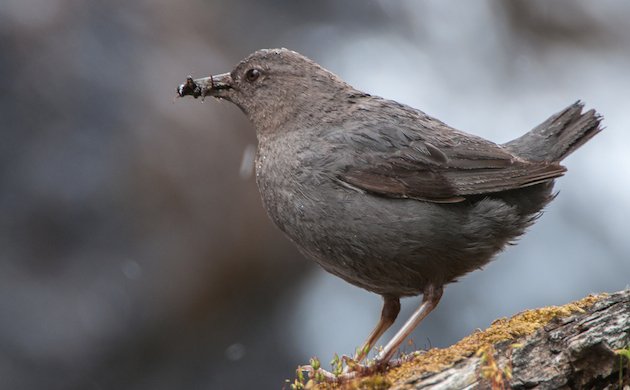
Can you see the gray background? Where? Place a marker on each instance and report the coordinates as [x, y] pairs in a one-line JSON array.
[[134, 250]]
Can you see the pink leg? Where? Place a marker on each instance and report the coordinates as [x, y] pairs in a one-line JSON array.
[[430, 299], [391, 308]]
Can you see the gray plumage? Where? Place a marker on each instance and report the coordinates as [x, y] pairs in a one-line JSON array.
[[379, 193]]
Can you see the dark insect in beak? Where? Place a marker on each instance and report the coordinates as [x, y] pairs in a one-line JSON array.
[[189, 88], [211, 85]]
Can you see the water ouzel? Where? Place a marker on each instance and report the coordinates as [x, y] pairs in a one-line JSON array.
[[381, 194]]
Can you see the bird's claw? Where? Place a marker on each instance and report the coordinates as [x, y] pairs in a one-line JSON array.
[[352, 369], [319, 375]]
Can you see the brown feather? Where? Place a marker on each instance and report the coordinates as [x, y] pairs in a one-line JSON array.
[[448, 175]]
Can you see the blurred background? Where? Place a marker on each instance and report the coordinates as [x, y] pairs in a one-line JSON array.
[[135, 253]]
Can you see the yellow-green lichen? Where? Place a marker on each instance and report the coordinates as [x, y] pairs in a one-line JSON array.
[[436, 359]]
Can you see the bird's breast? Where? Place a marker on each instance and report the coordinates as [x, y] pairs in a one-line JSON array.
[[287, 186]]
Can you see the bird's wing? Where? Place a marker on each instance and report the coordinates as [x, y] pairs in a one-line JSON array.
[[451, 167]]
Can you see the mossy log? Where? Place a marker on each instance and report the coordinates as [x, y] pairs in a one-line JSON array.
[[582, 345]]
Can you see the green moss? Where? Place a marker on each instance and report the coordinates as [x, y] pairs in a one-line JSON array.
[[503, 329], [435, 360]]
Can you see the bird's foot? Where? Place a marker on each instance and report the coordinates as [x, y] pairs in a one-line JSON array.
[[344, 369]]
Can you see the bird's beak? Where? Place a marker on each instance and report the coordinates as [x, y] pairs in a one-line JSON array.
[[208, 86]]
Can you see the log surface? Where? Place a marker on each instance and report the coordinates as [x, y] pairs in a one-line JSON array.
[[573, 352]]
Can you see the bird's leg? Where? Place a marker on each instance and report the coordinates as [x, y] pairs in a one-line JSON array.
[[391, 308], [430, 298]]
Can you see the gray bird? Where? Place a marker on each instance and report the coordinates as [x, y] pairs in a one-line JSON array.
[[381, 194]]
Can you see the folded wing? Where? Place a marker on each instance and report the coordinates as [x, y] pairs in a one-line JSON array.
[[444, 170]]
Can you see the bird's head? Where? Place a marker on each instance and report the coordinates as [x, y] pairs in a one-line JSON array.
[[271, 86]]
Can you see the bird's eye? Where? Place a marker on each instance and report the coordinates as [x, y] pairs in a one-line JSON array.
[[252, 75]]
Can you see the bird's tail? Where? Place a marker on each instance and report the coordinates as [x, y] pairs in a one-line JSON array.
[[558, 136]]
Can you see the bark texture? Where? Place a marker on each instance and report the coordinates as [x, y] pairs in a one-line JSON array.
[[578, 351]]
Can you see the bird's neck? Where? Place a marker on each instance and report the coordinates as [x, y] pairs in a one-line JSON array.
[[300, 113]]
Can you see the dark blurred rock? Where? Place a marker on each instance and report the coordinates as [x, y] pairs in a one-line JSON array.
[[553, 22]]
